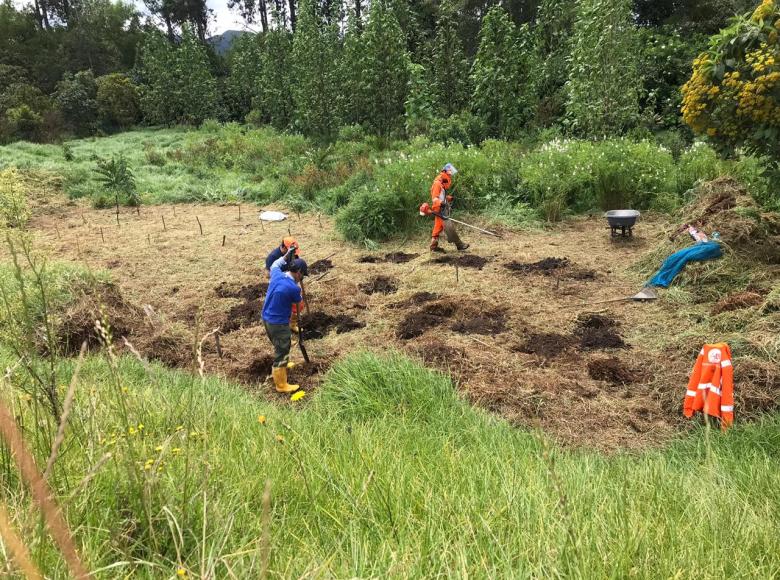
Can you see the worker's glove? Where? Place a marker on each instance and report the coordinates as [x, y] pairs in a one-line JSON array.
[[290, 255], [294, 327], [450, 198]]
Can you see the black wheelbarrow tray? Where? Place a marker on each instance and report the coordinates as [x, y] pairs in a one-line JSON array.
[[622, 220]]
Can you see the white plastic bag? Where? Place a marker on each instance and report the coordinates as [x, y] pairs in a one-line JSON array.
[[273, 216]]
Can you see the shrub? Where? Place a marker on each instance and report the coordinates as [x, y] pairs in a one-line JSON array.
[[24, 123], [464, 128], [118, 101], [75, 96], [118, 180], [732, 96], [14, 210], [699, 163]]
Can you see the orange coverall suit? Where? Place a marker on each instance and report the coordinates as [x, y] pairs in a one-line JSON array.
[[439, 189], [711, 386]]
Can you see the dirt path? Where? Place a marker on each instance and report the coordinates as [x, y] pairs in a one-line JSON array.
[[504, 322]]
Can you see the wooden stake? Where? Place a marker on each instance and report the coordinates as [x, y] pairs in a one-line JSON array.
[[101, 236], [219, 346], [138, 210], [262, 226], [289, 233], [457, 274], [319, 219], [117, 215], [199, 225], [58, 232], [239, 212], [223, 240], [174, 211], [163, 220], [149, 238], [83, 219]]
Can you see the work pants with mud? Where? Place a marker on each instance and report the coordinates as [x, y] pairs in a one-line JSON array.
[[281, 337], [441, 225]]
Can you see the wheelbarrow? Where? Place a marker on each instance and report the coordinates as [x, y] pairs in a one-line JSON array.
[[623, 221]]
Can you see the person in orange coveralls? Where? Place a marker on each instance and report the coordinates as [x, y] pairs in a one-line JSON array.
[[441, 206]]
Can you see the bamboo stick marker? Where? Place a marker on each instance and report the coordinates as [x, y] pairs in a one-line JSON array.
[[199, 225]]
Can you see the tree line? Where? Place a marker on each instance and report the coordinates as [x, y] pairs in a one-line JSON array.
[[459, 70]]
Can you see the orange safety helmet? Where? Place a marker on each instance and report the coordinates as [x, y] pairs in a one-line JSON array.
[[290, 242]]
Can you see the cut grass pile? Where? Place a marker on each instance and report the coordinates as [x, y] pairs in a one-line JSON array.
[[385, 472]]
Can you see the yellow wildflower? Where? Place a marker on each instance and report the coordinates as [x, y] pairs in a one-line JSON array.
[[132, 431], [181, 572], [158, 448], [297, 396], [261, 419], [140, 426], [176, 450], [280, 438]]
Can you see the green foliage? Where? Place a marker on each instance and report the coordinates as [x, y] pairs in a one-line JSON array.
[[386, 70], [21, 122], [76, 98], [314, 62], [244, 87], [503, 93], [733, 95], [553, 37], [419, 102], [118, 101], [118, 180], [603, 84], [14, 209], [464, 128], [449, 68], [177, 83], [699, 163]]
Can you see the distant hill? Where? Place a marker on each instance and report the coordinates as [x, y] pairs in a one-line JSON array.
[[223, 42]]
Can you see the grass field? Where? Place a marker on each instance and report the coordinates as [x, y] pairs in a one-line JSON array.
[[502, 459], [387, 473]]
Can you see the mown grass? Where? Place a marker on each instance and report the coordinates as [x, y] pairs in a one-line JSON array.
[[385, 472]]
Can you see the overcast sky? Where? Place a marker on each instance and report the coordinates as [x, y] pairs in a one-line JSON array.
[[223, 19]]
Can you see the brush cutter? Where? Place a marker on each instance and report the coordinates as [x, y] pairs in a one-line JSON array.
[[425, 209]]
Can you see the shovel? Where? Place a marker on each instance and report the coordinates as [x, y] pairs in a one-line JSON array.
[[647, 294]]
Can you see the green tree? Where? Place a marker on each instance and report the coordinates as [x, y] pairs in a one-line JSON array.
[[450, 68], [177, 83], [276, 82], [603, 85], [552, 34], [118, 102], [386, 69], [503, 92], [315, 61], [243, 86], [353, 98], [420, 106], [76, 98]]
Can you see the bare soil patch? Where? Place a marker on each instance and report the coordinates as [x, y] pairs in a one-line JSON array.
[[559, 267], [597, 332], [462, 261], [243, 315], [547, 345], [242, 292], [317, 325], [613, 371], [416, 299], [379, 285], [737, 301], [320, 267], [400, 257]]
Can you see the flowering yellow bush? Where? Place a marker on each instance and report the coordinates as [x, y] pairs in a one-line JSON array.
[[733, 95]]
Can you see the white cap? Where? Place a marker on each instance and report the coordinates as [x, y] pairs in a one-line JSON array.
[[450, 168]]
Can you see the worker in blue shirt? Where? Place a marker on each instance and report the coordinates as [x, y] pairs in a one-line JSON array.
[[280, 251], [283, 292]]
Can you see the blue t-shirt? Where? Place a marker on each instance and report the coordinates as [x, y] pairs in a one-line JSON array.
[[272, 257], [282, 293]]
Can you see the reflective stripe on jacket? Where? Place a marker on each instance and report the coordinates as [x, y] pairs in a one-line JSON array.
[[711, 386]]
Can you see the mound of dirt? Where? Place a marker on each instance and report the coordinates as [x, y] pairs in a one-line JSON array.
[[379, 285], [102, 301], [318, 324], [486, 324], [369, 260], [463, 261], [437, 353], [400, 257], [320, 267], [545, 345], [737, 301], [416, 323], [547, 266], [243, 315], [170, 349], [597, 332], [247, 292], [757, 388], [257, 370], [612, 371], [416, 299], [725, 206]]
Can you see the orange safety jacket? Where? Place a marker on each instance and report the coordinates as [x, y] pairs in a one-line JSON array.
[[439, 189], [711, 386]]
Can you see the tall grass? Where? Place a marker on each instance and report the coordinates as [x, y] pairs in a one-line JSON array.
[[386, 472]]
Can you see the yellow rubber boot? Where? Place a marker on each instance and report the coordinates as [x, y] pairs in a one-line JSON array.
[[291, 365], [280, 380]]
